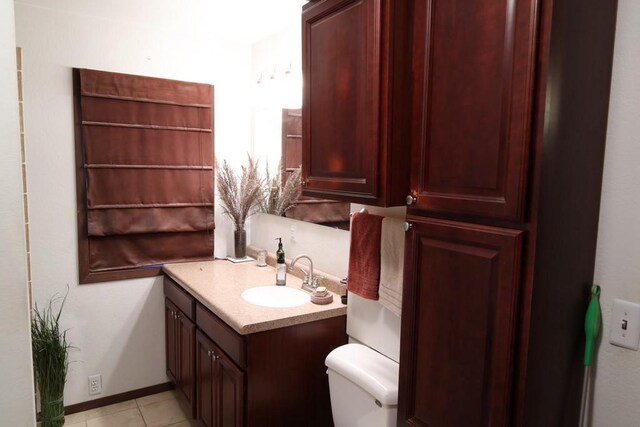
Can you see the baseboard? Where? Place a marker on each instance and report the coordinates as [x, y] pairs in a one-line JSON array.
[[117, 398]]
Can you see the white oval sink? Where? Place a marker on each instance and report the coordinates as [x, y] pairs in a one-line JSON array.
[[276, 296]]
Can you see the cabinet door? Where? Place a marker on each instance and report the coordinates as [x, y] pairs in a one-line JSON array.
[[473, 76], [459, 317], [171, 339], [185, 365], [206, 381], [231, 403], [341, 107]]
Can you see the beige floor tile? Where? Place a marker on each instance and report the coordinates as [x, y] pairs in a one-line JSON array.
[[127, 418], [164, 413], [185, 423], [80, 424], [153, 398], [110, 409], [76, 418]]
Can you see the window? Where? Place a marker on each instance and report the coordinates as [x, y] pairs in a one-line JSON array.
[[144, 157]]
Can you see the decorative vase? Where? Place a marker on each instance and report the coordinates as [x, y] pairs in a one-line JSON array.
[[240, 241]]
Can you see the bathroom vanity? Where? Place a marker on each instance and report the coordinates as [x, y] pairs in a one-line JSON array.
[[240, 364]]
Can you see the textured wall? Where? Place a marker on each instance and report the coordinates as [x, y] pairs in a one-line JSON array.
[[117, 326], [16, 392], [617, 380]]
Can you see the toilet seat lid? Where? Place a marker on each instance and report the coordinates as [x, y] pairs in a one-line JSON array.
[[375, 373]]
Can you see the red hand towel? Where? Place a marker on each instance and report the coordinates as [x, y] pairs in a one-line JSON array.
[[364, 255]]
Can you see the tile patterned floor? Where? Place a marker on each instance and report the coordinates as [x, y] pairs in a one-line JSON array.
[[157, 410]]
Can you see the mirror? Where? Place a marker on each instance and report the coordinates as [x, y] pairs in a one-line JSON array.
[[276, 64]]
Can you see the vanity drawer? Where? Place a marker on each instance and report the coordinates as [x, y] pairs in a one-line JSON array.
[[226, 338], [181, 298]]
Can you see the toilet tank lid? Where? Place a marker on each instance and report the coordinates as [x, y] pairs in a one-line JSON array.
[[375, 373]]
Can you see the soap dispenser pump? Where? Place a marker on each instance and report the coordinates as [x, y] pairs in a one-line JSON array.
[[281, 267]]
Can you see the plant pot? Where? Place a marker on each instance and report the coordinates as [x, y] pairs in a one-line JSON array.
[[240, 243]]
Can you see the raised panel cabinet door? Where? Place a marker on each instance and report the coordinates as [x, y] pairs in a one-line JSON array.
[[171, 339], [185, 366], [341, 100], [458, 327], [231, 404], [206, 381], [473, 72]]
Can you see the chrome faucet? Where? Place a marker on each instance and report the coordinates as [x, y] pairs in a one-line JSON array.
[[309, 281]]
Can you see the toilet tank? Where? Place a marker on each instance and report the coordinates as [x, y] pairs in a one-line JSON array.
[[363, 385], [369, 323]]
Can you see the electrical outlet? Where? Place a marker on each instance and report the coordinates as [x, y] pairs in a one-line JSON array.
[[95, 384], [625, 324]]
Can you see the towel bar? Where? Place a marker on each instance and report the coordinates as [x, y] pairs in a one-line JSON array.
[[363, 210]]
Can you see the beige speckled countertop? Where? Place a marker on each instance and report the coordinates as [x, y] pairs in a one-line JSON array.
[[218, 285]]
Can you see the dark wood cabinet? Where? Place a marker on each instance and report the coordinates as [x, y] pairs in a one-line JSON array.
[[309, 209], [231, 392], [220, 386], [171, 339], [459, 323], [180, 335], [185, 381], [509, 107], [261, 379], [353, 147], [473, 75]]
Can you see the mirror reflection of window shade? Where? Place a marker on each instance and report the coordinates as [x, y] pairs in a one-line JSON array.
[[147, 161]]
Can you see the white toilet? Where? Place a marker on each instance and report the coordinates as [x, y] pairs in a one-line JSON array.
[[363, 375]]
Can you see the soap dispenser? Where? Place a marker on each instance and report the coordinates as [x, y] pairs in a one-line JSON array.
[[281, 267]]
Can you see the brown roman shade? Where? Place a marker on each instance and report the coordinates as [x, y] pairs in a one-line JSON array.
[[144, 154]]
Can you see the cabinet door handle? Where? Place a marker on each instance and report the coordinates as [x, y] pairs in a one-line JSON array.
[[303, 182], [407, 226], [411, 199]]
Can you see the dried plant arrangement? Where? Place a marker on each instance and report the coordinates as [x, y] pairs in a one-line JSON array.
[[239, 195], [281, 192], [50, 361]]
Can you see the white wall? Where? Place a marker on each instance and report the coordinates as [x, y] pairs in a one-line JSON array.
[[16, 390], [117, 326], [277, 61], [617, 382]]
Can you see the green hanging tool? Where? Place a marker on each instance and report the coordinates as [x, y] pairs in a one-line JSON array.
[[592, 322]]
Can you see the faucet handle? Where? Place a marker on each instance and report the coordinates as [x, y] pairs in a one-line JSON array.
[[306, 280], [317, 281]]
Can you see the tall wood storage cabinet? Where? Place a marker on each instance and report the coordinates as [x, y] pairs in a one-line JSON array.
[[504, 104], [354, 141], [508, 125]]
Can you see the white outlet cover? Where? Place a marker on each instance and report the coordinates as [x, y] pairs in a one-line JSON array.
[[95, 384], [625, 312]]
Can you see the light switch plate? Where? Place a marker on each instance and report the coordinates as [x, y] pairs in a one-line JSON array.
[[625, 324]]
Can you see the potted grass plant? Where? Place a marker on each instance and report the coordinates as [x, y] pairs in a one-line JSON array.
[[280, 192], [50, 361], [239, 198]]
